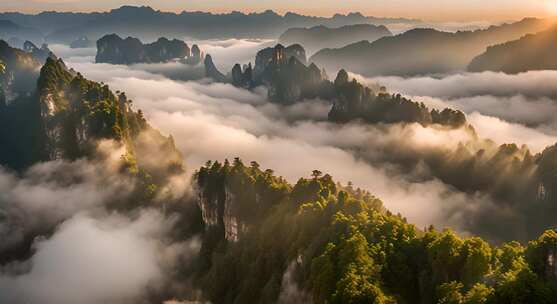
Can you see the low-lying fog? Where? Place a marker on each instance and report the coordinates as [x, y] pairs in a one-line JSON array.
[[212, 121]]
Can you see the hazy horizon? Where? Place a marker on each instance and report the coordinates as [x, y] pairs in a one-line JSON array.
[[428, 10]]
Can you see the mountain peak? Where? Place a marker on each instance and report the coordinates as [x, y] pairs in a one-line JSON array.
[[130, 9]]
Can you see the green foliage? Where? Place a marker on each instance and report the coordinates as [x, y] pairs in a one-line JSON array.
[[353, 101], [84, 111], [541, 255], [450, 293], [347, 249]]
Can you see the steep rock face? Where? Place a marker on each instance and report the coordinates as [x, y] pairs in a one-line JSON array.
[[165, 50], [291, 81], [51, 90], [62, 115], [278, 54], [282, 70], [551, 264], [220, 212], [20, 75], [288, 80], [242, 77], [542, 256], [196, 55], [211, 70], [546, 171], [20, 127], [115, 50], [76, 112], [233, 198], [41, 54], [355, 101]]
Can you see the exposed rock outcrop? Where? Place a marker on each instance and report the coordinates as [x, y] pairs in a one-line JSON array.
[[356, 101], [220, 212], [288, 80], [242, 77], [196, 55], [115, 50], [278, 54], [20, 75], [61, 115], [19, 109], [211, 70], [283, 71], [41, 54], [233, 198]]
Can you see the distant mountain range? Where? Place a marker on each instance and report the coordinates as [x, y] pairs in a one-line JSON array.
[[16, 34], [147, 23], [422, 51], [531, 52], [320, 37]]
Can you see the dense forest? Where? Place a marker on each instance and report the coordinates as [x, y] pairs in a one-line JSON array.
[[510, 176], [337, 244]]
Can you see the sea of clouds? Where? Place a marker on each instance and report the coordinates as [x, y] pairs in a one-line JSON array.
[[102, 256]]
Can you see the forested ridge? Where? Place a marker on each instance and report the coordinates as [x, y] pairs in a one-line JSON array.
[[52, 114], [529, 53], [339, 245], [506, 176]]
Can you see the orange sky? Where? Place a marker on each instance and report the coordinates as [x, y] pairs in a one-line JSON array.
[[434, 10]]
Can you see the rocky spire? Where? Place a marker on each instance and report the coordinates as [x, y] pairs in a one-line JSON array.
[[211, 70]]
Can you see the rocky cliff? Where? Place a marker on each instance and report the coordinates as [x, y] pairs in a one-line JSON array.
[[355, 101], [211, 70], [283, 71], [115, 50], [20, 127], [288, 80], [233, 197], [51, 112], [278, 55], [41, 54]]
